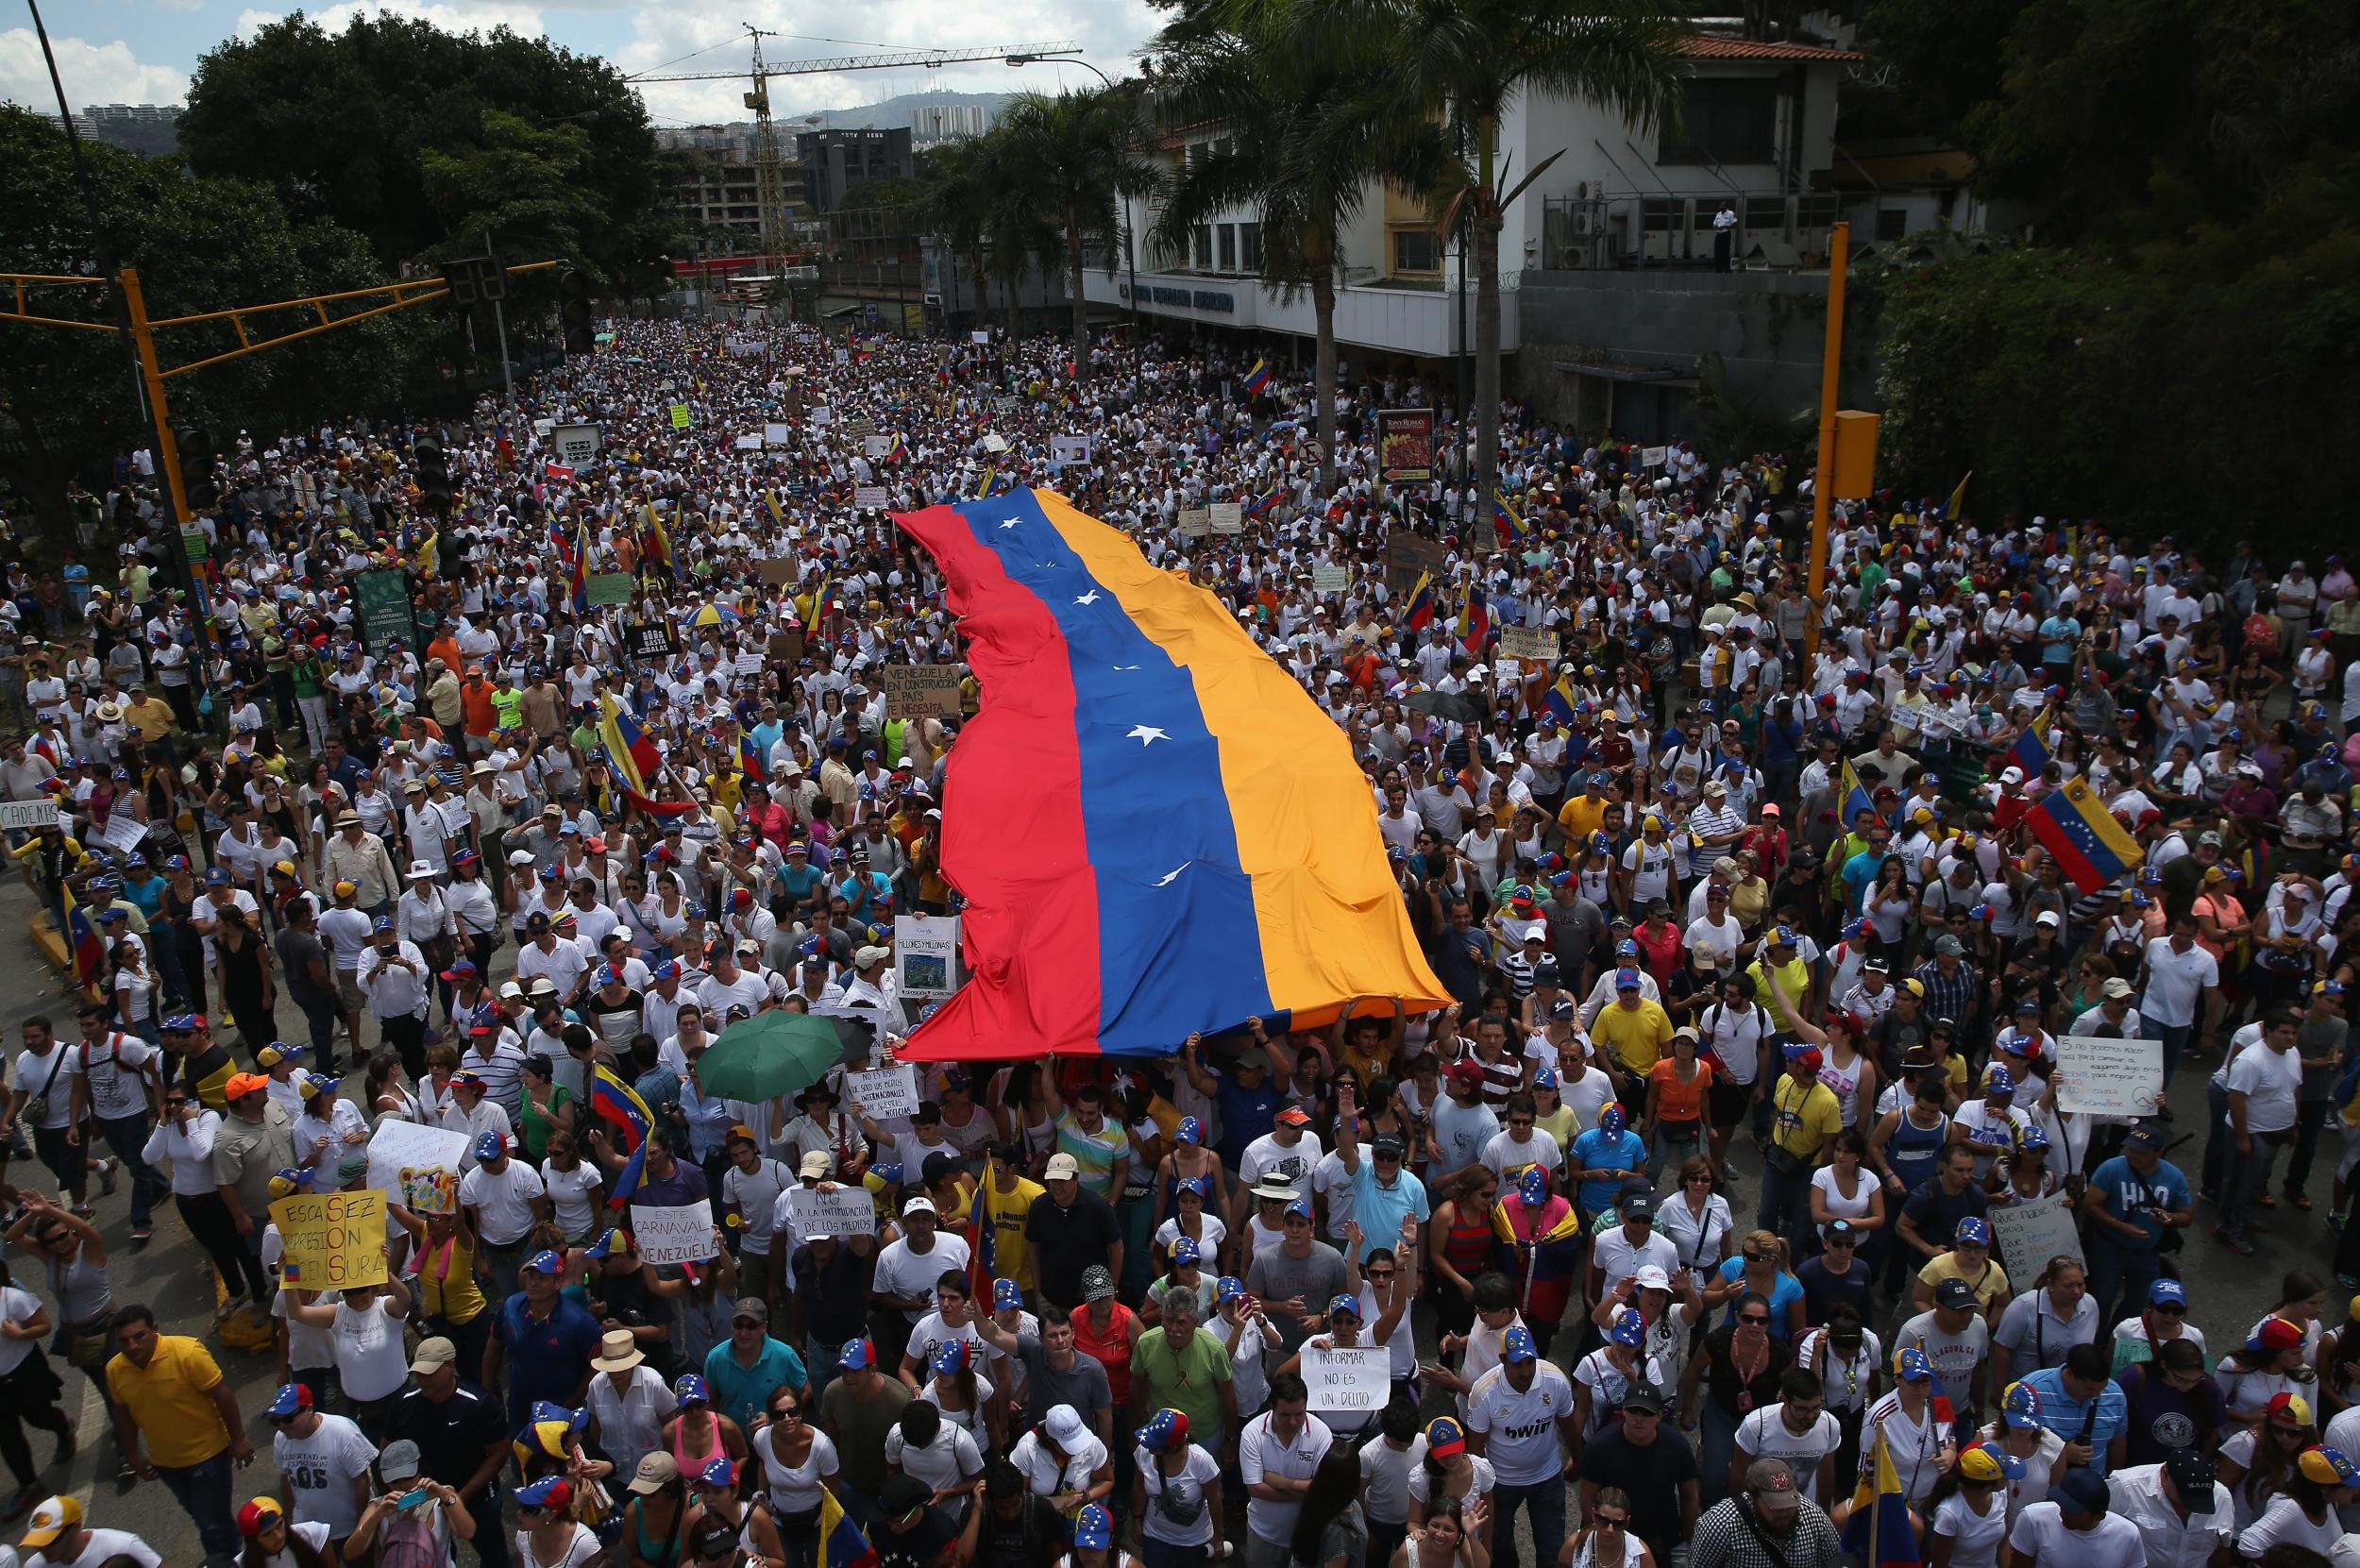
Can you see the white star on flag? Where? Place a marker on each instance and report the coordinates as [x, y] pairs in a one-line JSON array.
[[1010, 523], [1090, 598], [1124, 667], [1146, 734], [1172, 875]]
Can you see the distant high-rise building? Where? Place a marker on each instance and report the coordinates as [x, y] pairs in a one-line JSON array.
[[837, 160], [932, 122]]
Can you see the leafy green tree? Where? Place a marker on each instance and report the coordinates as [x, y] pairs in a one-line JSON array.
[[67, 397], [1078, 152], [519, 184], [340, 126]]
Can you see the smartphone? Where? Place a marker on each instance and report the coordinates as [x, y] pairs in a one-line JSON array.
[[416, 1497]]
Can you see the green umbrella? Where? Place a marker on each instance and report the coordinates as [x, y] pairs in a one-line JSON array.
[[768, 1055]]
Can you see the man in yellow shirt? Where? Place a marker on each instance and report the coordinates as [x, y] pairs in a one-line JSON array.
[[1805, 1116], [1584, 814], [1635, 1033], [1008, 1198], [168, 1392]]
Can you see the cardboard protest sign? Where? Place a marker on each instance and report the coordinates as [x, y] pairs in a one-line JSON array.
[[672, 1235], [884, 1093], [1529, 643], [919, 691], [334, 1241], [1357, 1382], [2109, 1077], [845, 1211]]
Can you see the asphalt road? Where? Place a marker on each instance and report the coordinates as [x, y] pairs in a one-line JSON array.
[[173, 1276]]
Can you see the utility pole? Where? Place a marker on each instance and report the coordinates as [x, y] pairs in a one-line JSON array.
[[500, 321], [1823, 472]]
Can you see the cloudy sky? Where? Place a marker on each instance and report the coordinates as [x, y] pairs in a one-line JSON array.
[[142, 51]]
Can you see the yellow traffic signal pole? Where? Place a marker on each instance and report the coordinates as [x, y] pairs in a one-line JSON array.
[[1822, 473]]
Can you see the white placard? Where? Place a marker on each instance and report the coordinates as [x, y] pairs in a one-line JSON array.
[[397, 1146], [1357, 1382], [822, 414], [777, 436], [886, 1093], [542, 427], [873, 444], [1228, 517], [1068, 449], [843, 355], [2028, 1235], [124, 833], [846, 1212], [675, 1235], [748, 444], [926, 955], [26, 815], [1330, 579], [577, 444], [1652, 456], [979, 335], [995, 442], [869, 495], [1195, 522], [2109, 1077]]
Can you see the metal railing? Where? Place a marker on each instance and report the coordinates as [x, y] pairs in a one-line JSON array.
[[1776, 230]]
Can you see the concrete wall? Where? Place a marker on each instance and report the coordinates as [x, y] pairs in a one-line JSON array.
[[1767, 328]]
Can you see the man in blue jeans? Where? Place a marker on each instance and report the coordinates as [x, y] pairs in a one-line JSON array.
[[2133, 1200], [1520, 1416], [115, 1083], [176, 1422]]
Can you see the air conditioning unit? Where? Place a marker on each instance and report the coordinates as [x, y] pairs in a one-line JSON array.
[[1585, 221]]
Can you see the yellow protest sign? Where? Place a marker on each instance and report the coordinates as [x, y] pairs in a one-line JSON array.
[[335, 1240], [679, 416]]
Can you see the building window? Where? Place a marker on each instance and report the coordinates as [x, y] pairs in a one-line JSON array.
[[1228, 235], [1202, 247], [1725, 120], [1893, 223], [1417, 250], [1250, 247]]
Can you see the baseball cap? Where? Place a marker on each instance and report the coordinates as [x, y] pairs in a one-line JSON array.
[[2019, 1405], [1956, 1294], [2192, 1474], [2083, 1492], [55, 1516], [1062, 1168], [857, 1353], [290, 1398], [1912, 1366], [1516, 1345], [401, 1461], [433, 1354], [1989, 1463]]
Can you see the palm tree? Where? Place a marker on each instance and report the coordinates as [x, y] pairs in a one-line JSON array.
[[1308, 130], [1077, 150], [958, 206], [1466, 61]]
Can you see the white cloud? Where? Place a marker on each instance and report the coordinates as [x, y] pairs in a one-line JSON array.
[[451, 16], [1108, 32], [92, 72]]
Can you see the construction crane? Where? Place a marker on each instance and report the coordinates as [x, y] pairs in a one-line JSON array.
[[769, 177]]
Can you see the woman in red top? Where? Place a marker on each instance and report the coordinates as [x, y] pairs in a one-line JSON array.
[[1107, 1330], [1661, 943]]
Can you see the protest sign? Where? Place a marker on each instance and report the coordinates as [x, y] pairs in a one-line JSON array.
[[334, 1241], [384, 601], [2028, 1235], [2109, 1077], [679, 416], [926, 955], [397, 1147], [777, 436], [652, 640], [1407, 557], [1405, 444], [1527, 643], [1356, 1382], [919, 691], [869, 495], [1330, 579], [1651, 456], [779, 570], [675, 1235], [1068, 449], [1228, 517], [784, 648], [748, 444], [577, 444], [857, 427], [124, 833], [1195, 522], [609, 588], [979, 335], [845, 1211], [884, 1093], [24, 816], [873, 444]]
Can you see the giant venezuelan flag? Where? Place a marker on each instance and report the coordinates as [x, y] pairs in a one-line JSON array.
[[2073, 824], [1155, 830]]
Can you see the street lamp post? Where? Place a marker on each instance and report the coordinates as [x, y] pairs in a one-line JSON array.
[[1130, 260]]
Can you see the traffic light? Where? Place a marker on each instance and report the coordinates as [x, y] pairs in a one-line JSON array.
[[573, 308], [194, 447], [426, 457]]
